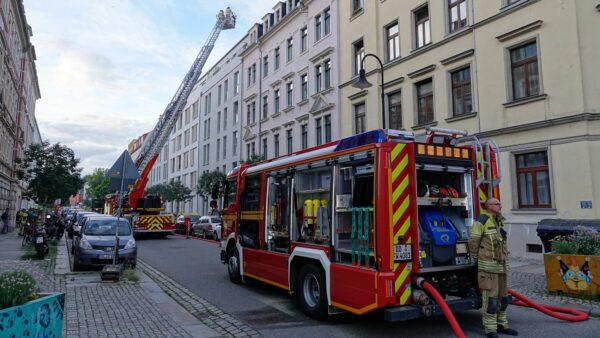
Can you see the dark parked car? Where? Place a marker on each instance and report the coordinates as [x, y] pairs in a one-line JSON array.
[[180, 222], [95, 245]]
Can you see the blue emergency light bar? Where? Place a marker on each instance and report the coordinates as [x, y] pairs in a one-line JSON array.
[[371, 137]]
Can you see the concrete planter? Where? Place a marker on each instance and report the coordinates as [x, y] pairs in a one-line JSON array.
[[578, 275], [42, 317]]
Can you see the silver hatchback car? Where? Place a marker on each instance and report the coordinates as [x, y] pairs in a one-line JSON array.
[[207, 226], [95, 245]]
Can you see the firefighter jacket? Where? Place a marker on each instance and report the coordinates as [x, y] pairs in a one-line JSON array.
[[487, 243]]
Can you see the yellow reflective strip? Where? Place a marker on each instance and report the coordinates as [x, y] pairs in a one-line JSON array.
[[401, 209], [397, 149], [402, 230], [405, 296], [400, 189], [401, 279]]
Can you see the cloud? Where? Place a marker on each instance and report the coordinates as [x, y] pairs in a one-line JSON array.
[[107, 69]]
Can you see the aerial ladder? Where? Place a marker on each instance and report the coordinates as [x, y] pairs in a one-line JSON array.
[[160, 134]]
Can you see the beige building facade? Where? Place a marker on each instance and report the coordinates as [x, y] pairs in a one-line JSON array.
[[523, 72]]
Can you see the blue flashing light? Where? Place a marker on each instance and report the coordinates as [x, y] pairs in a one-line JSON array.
[[369, 137]]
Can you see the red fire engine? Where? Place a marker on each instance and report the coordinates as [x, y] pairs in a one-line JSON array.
[[351, 225]]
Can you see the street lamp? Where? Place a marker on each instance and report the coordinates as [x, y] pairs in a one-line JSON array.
[[362, 83]]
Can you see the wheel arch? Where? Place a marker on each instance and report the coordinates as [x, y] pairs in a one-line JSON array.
[[301, 256]]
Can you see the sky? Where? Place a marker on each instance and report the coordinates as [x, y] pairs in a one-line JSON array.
[[108, 68]]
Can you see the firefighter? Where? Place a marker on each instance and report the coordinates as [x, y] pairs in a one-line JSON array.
[[488, 247]]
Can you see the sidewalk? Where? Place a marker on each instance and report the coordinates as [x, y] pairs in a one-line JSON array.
[[527, 277], [97, 309]]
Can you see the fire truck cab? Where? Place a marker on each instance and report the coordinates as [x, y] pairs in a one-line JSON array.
[[350, 224]]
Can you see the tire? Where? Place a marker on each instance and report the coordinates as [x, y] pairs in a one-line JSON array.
[[215, 236], [312, 291], [41, 251], [204, 234], [233, 266]]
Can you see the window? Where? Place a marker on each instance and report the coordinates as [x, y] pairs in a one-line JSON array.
[[192, 157], [319, 131], [327, 128], [195, 110], [318, 77], [304, 87], [264, 148], [225, 90], [207, 104], [254, 72], [393, 41], [194, 133], [172, 165], [317, 27], [249, 76], [179, 119], [219, 94], [304, 135], [327, 74], [224, 147], [533, 180], [276, 145], [290, 49], [359, 118], [424, 102], [276, 101], [251, 113], [289, 141], [303, 39], [457, 13], [236, 115], [218, 122], [276, 58], [265, 66], [218, 149], [179, 142], [236, 83], [395, 110], [357, 5], [187, 116], [186, 138], [462, 102], [265, 106], [186, 160], [359, 54], [524, 71], [224, 118], [290, 94], [422, 29], [327, 21], [234, 142]]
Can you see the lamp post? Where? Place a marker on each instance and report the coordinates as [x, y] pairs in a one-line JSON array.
[[362, 83]]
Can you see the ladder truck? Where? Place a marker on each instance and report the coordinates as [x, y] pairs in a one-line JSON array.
[[144, 211]]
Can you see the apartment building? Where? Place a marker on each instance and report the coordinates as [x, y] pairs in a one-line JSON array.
[[290, 79], [522, 72], [19, 90]]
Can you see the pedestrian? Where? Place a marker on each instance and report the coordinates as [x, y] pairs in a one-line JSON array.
[[487, 246], [5, 221]]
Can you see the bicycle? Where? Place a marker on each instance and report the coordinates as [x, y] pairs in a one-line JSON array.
[[28, 232]]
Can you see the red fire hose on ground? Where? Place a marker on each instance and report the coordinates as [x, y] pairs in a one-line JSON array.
[[570, 315]]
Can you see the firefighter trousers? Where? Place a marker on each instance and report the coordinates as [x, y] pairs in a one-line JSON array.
[[494, 299]]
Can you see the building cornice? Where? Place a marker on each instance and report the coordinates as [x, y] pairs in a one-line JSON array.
[[457, 57], [321, 55], [421, 71], [519, 31], [582, 117]]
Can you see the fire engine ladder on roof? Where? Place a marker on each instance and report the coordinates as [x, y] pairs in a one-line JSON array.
[[487, 163], [160, 134]]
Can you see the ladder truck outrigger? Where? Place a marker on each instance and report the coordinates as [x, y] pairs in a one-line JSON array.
[[144, 211], [364, 223]]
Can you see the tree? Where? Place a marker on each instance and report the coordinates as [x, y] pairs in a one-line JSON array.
[[254, 158], [97, 183], [175, 191], [208, 180], [158, 190], [50, 172]]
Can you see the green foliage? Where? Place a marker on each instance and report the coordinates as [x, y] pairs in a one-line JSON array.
[[208, 180], [50, 172], [158, 190], [131, 275], [254, 158], [583, 241], [16, 288], [97, 183], [178, 192]]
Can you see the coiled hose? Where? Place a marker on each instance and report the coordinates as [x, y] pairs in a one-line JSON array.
[[561, 313]]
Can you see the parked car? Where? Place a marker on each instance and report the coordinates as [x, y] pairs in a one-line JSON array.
[[180, 222], [207, 226], [95, 245], [74, 226]]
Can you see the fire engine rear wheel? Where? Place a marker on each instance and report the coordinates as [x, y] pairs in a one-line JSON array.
[[312, 292], [233, 265]]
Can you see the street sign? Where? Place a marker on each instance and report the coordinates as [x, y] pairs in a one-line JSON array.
[[123, 169]]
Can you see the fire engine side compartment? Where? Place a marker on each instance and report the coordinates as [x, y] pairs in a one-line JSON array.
[[354, 289]]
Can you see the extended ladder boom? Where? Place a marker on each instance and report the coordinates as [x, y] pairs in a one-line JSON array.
[[158, 136]]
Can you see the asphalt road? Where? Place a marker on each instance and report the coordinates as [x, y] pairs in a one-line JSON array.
[[195, 264]]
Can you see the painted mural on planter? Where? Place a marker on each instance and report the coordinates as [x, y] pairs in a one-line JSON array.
[[573, 274], [40, 318]]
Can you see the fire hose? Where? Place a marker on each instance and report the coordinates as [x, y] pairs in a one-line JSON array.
[[553, 311]]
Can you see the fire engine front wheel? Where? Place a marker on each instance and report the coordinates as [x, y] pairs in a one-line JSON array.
[[312, 292], [233, 266]]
